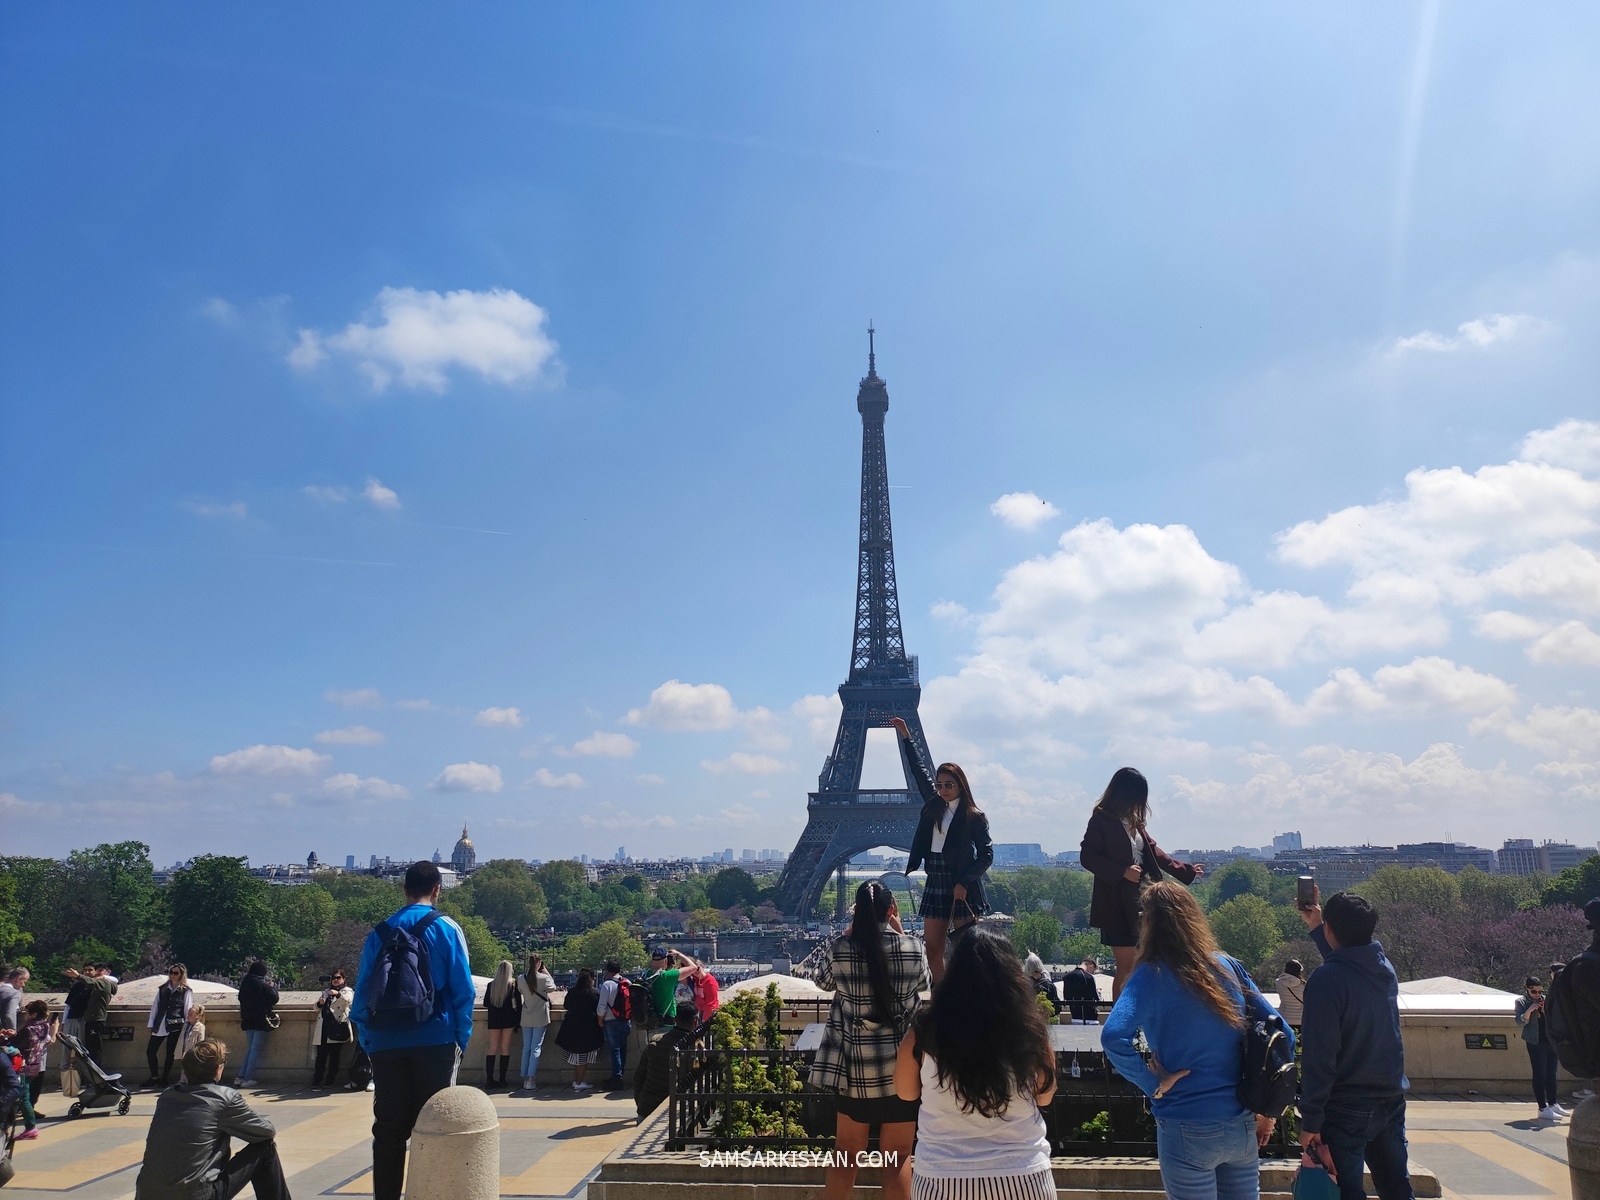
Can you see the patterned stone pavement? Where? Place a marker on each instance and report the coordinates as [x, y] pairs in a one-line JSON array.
[[553, 1141]]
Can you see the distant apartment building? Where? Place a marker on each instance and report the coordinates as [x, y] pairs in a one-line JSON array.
[[1519, 856], [1452, 856], [1287, 841], [1019, 854]]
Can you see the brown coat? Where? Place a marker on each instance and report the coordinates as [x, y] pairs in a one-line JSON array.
[[1107, 852]]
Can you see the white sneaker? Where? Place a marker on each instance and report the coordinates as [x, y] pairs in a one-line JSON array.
[[1549, 1113], [1561, 1111], [583, 1087], [1583, 1094], [372, 1087]]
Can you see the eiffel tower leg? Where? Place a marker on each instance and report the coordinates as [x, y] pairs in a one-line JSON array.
[[841, 882]]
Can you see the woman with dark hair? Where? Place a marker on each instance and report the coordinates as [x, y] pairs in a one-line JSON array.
[[1119, 851], [876, 972], [168, 1011], [580, 1034], [978, 1057], [1188, 999], [953, 839], [535, 986]]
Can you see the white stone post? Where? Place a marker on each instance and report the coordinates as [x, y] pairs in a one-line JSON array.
[[1583, 1150], [455, 1148]]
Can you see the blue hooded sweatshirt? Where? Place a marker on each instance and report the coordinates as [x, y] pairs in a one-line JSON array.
[[453, 991], [1351, 1054]]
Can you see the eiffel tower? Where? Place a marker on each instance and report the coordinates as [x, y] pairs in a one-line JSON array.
[[841, 819]]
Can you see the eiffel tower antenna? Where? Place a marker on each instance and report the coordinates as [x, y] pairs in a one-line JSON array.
[[842, 820]]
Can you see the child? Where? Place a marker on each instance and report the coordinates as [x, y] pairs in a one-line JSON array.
[[13, 1070], [192, 1034], [40, 1029]]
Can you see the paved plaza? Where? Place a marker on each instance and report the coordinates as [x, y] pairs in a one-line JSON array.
[[552, 1142]]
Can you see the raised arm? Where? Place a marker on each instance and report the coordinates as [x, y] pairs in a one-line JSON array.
[[920, 771]]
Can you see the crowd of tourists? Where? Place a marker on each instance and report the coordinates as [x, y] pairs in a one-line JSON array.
[[941, 1043]]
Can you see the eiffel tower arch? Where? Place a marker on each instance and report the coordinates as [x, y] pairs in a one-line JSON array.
[[842, 819]]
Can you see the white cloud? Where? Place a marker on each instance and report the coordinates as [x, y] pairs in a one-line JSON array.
[[1505, 626], [952, 613], [746, 764], [468, 777], [1424, 685], [1572, 443], [350, 735], [417, 338], [649, 780], [417, 705], [605, 745], [735, 816], [821, 715], [1566, 574], [219, 310], [687, 707], [238, 510], [307, 353], [356, 698], [1478, 334], [626, 820], [546, 778], [1024, 510], [1573, 644], [353, 787], [269, 760], [326, 493], [379, 496], [499, 718], [1547, 729]]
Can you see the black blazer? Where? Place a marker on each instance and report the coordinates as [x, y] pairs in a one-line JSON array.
[[1107, 852], [968, 849]]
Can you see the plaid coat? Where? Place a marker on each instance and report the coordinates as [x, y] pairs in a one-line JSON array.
[[857, 1054]]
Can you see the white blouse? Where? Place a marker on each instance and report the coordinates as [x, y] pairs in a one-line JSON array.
[[936, 846]]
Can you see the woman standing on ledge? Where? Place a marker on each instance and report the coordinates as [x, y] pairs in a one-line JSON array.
[[953, 839], [1119, 852]]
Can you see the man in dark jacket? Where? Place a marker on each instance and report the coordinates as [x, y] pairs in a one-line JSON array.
[[97, 1008], [651, 1076], [1081, 992], [186, 1152], [1352, 1067]]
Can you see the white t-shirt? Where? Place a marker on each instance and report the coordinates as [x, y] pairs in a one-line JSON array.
[[936, 846], [952, 1144]]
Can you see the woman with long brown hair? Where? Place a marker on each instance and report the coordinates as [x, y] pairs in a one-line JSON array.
[[1188, 998], [1119, 851], [952, 838]]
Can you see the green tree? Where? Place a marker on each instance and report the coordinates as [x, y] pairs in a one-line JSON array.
[[1037, 933], [606, 941], [221, 916], [731, 886], [484, 950], [1082, 944], [565, 885], [1241, 877], [505, 893], [1490, 897], [303, 913], [1246, 928], [682, 895], [707, 920], [1428, 889], [1576, 885], [82, 951], [358, 897], [13, 939]]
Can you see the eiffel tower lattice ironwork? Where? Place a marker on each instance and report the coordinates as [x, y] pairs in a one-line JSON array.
[[841, 819]]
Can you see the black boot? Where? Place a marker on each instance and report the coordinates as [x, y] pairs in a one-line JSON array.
[[488, 1072], [505, 1062]]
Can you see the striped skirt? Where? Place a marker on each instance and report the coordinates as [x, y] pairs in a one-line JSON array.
[[1040, 1185]]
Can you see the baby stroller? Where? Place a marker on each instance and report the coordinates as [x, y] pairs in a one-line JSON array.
[[97, 1088]]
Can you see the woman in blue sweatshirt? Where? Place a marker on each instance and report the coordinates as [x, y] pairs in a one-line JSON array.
[[1187, 997]]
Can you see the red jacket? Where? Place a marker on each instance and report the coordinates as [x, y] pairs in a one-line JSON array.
[[1107, 852]]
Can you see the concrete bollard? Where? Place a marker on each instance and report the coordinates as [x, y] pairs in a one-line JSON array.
[[1583, 1150], [455, 1148]]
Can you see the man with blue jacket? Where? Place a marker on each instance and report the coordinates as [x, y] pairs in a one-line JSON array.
[[1352, 1066], [413, 1015]]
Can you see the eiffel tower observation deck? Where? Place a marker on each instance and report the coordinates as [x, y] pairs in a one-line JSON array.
[[842, 819]]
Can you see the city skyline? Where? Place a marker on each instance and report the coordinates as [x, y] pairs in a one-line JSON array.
[[458, 417]]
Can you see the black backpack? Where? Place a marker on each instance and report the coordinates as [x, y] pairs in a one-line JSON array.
[[400, 992], [645, 1013], [1268, 1078], [1574, 1036]]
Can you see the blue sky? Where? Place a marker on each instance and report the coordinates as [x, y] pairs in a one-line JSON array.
[[367, 380]]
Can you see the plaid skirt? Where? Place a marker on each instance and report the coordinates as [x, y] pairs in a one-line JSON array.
[[938, 893]]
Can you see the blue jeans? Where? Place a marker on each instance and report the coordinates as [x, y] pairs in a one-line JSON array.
[[1542, 1057], [1374, 1133], [617, 1041], [1209, 1160], [255, 1041], [532, 1042]]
